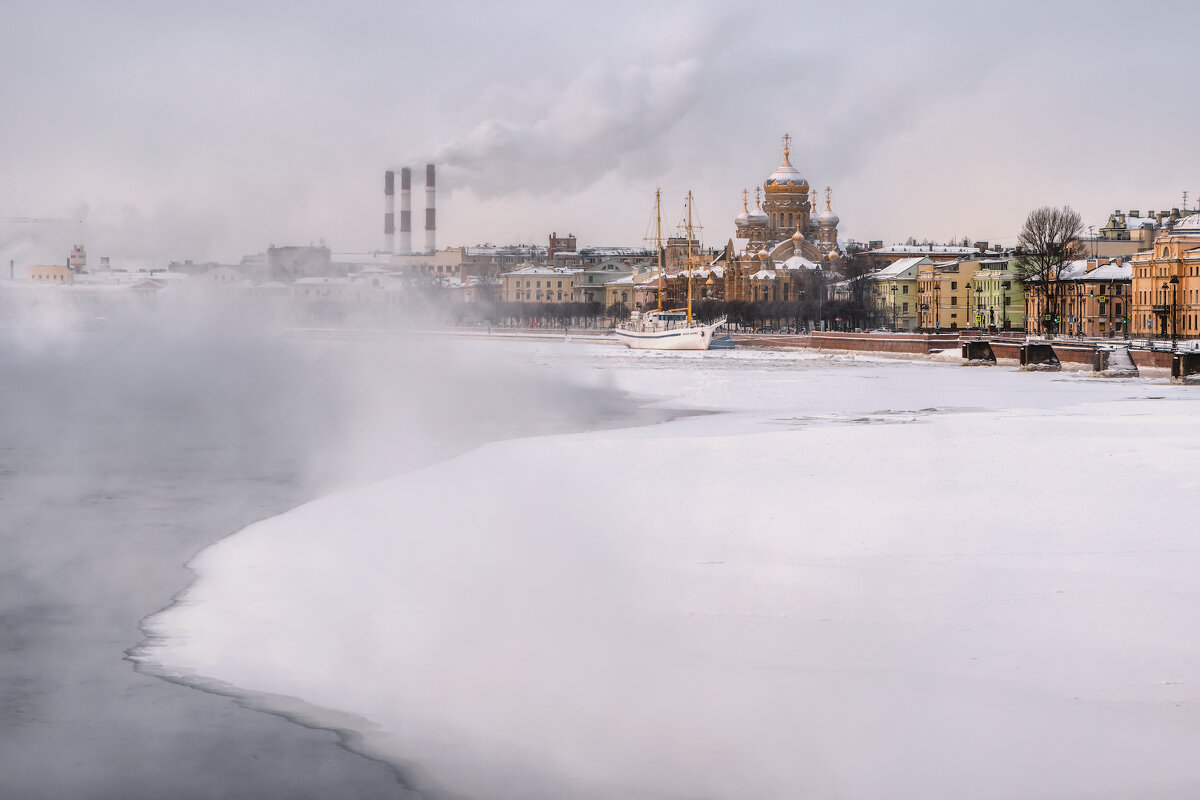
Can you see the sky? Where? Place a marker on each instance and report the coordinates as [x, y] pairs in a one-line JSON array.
[[211, 130]]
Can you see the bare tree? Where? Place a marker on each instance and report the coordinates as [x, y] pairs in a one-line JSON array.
[[1050, 240]]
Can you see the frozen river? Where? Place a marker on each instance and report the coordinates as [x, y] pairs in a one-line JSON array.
[[860, 579], [127, 449]]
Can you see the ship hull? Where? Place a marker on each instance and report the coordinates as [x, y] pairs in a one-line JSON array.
[[697, 337]]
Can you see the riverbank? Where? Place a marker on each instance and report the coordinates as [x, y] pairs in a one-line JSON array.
[[533, 617], [127, 450]]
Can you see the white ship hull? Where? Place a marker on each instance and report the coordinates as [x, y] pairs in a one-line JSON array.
[[683, 337]]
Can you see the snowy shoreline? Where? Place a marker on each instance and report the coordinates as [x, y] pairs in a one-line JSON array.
[[520, 645]]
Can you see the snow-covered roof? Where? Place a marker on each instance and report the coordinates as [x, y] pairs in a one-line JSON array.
[[897, 267], [1189, 224], [763, 275], [785, 174], [534, 269], [799, 262], [380, 259], [614, 252], [943, 249], [1132, 223], [1109, 272], [507, 249], [1073, 270]]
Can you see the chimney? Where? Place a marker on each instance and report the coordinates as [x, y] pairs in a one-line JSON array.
[[389, 211], [406, 211], [430, 212]]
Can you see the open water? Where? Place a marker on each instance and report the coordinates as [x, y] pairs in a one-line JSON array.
[[126, 450]]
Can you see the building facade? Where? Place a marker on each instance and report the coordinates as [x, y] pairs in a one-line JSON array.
[[894, 292], [1166, 283], [1090, 297], [51, 273], [538, 284], [780, 241]]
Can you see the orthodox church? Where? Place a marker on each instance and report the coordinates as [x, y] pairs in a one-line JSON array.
[[781, 239]]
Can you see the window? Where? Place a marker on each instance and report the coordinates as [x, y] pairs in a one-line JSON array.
[[560, 295], [953, 284], [906, 288], [560, 284], [539, 285], [905, 309], [953, 301], [1165, 252]]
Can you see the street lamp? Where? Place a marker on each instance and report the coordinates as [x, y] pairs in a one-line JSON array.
[[1164, 305], [978, 306], [893, 307], [1174, 302]]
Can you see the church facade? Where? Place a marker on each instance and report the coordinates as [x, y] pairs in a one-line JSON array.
[[782, 240]]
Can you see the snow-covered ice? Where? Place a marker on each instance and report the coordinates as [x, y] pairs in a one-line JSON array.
[[862, 579]]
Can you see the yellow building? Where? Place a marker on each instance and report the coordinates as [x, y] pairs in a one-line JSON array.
[[537, 284], [442, 263], [1166, 283], [51, 273], [894, 292], [999, 295], [946, 297]]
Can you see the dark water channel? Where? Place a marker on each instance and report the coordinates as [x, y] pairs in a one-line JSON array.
[[124, 453]]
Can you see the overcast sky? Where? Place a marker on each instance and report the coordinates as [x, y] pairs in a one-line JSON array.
[[208, 130]]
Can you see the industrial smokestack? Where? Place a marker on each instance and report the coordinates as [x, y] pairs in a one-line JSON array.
[[430, 212], [389, 211], [406, 211]]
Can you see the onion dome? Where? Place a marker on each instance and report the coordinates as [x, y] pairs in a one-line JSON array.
[[762, 255], [742, 218], [827, 218], [797, 237], [757, 217], [787, 177]]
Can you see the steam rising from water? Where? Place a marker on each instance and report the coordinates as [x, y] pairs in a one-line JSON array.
[[127, 445]]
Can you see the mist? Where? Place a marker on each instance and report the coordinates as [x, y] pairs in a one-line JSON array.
[[131, 443]]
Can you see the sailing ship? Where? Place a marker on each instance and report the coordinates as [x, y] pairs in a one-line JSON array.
[[663, 329]]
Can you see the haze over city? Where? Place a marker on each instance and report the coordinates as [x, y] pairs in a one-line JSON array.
[[207, 131]]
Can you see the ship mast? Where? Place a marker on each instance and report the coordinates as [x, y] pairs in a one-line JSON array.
[[689, 259], [658, 241]]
